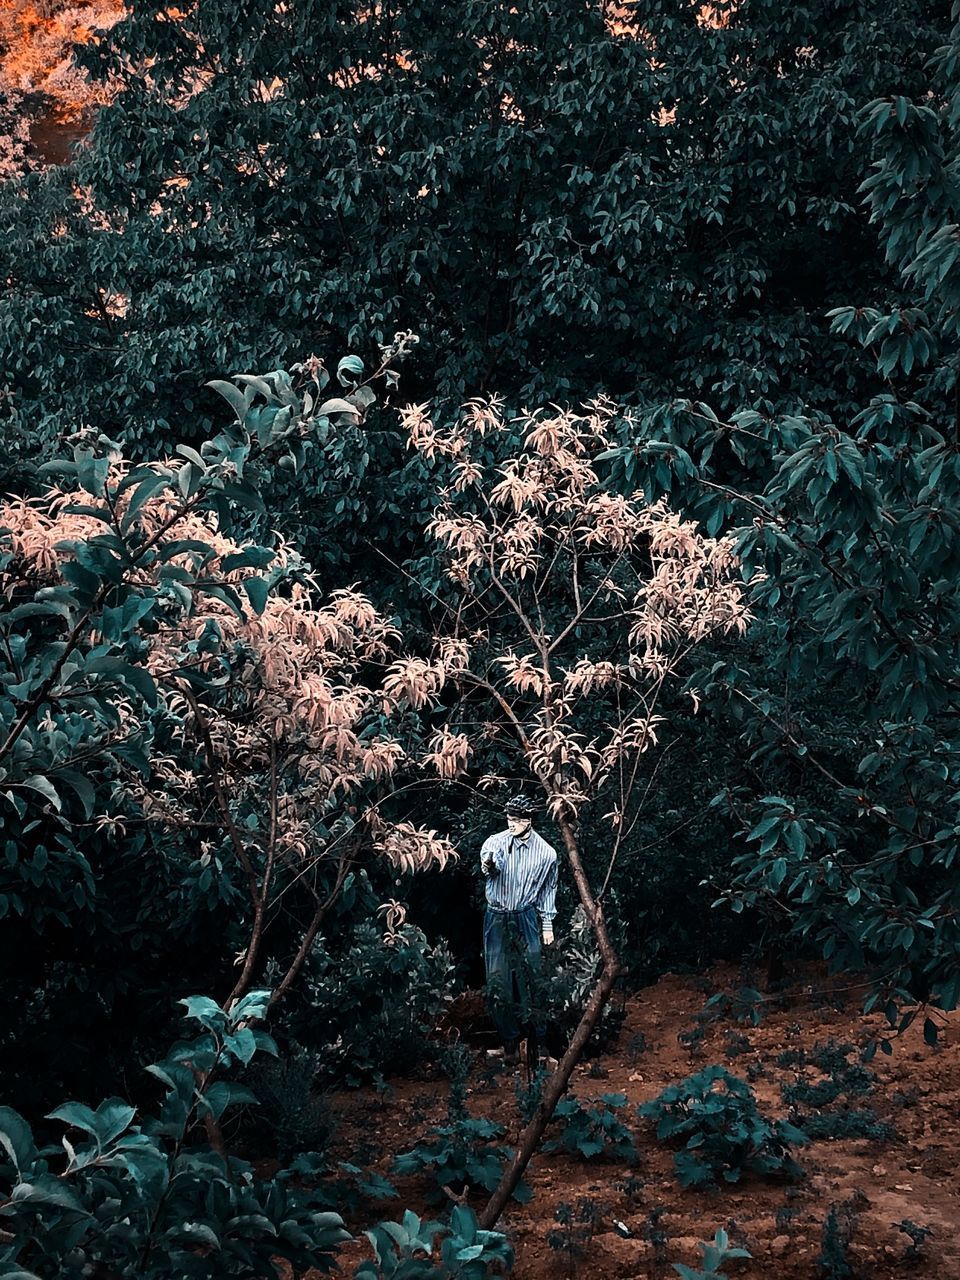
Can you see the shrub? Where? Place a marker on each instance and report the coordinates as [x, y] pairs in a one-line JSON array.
[[590, 1131], [458, 1155], [574, 1233], [122, 1198], [292, 1117], [725, 1135], [715, 1255], [839, 1229], [569, 972], [368, 1008], [405, 1250]]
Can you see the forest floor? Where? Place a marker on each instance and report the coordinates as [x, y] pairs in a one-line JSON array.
[[875, 1184]]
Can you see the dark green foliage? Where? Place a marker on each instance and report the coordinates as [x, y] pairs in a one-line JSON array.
[[825, 1108], [838, 1234], [343, 1186], [715, 1255], [405, 1250], [292, 1116], [574, 1233], [459, 1155], [917, 1235], [138, 1198], [735, 1045], [528, 1089], [506, 187], [747, 1004], [846, 698], [842, 1077], [366, 1009], [846, 1122], [761, 266], [715, 1114], [656, 1231], [568, 971], [591, 1130]]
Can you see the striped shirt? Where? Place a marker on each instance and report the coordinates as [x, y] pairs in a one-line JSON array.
[[524, 873]]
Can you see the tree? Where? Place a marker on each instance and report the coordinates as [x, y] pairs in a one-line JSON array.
[[570, 608], [174, 694], [847, 526], [555, 198]]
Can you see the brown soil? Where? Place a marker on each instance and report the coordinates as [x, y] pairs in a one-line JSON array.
[[913, 1176]]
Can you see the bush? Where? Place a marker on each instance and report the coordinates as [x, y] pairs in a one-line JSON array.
[[292, 1117], [725, 1134], [119, 1198], [405, 1250], [569, 972], [458, 1155], [368, 1008], [590, 1131]]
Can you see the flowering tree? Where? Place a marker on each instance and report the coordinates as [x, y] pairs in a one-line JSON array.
[[570, 609], [162, 669]]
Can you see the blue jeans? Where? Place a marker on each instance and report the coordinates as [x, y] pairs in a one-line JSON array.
[[511, 952]]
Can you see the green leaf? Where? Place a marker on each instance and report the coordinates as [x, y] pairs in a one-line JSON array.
[[205, 1011], [258, 593], [233, 396], [43, 786], [16, 1138], [349, 371], [225, 1093]]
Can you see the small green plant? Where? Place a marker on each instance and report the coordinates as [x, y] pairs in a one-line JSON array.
[[736, 1044], [456, 1062], [459, 1155], [847, 1122], [656, 1233], [746, 1004], [715, 1114], [348, 1192], [529, 1093], [906, 1097], [631, 1188], [636, 1045], [786, 1218], [842, 1077], [715, 1255], [590, 1131], [918, 1237], [692, 1038], [407, 1250], [791, 1058], [574, 1233], [839, 1230]]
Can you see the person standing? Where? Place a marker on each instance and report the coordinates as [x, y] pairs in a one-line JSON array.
[[520, 874]]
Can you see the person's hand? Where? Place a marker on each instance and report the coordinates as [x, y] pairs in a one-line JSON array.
[[548, 935]]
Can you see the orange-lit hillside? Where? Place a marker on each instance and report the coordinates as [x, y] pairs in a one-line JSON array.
[[36, 37]]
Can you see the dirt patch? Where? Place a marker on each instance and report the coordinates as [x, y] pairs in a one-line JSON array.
[[633, 1221]]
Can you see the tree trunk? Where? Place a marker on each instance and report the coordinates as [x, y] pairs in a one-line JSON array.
[[557, 1084]]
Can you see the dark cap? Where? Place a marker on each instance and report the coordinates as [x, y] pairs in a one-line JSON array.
[[520, 806]]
